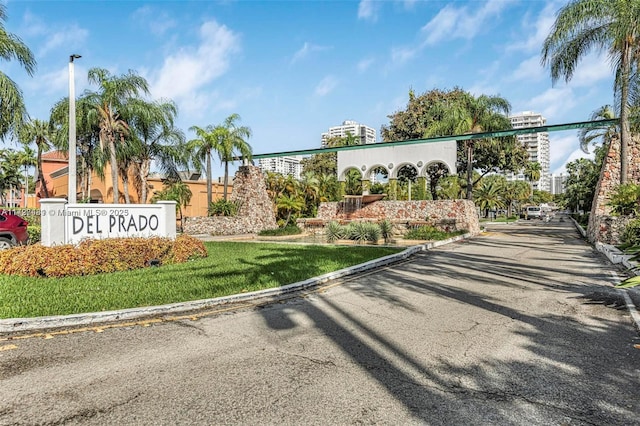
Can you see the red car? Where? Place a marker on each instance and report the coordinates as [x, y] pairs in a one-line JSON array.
[[13, 230]]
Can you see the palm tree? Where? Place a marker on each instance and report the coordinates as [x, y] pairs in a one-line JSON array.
[[603, 134], [13, 112], [200, 150], [154, 137], [27, 158], [516, 191], [585, 25], [290, 204], [226, 139], [39, 133], [87, 134], [111, 103], [472, 115], [9, 173], [489, 194], [231, 143], [532, 171]]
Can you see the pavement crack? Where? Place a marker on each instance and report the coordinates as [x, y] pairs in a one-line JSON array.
[[92, 412]]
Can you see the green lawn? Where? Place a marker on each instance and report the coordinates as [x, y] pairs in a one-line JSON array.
[[231, 268]]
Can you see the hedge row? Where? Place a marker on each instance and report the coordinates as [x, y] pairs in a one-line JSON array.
[[99, 256]]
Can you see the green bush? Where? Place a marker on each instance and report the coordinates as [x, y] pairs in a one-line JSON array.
[[386, 229], [98, 256], [224, 207], [279, 232], [334, 231], [429, 233], [631, 234], [363, 231], [624, 200], [34, 233]]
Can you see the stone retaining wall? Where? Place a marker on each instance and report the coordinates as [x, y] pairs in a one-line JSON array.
[[448, 215], [255, 214]]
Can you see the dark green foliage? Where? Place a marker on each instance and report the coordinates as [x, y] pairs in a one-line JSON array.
[[224, 207], [386, 229], [279, 232], [631, 234], [624, 201], [430, 233]]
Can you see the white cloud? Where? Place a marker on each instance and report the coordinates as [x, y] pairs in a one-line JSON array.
[[191, 68], [528, 70], [69, 36], [538, 31], [554, 103], [592, 69], [306, 49], [368, 10], [400, 55], [365, 64], [326, 85], [157, 22], [461, 22]]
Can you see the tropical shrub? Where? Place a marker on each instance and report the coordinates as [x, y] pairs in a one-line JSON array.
[[34, 233], [283, 231], [224, 207], [631, 234], [624, 200], [99, 256], [334, 231], [363, 231], [429, 233], [386, 229]]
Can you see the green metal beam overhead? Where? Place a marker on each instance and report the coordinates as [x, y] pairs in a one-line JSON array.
[[484, 135]]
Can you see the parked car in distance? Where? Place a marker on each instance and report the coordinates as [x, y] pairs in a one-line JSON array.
[[533, 212], [13, 230]]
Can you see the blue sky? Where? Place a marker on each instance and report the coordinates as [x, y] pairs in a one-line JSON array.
[[292, 69]]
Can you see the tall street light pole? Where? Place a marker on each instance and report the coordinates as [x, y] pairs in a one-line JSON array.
[[73, 187]]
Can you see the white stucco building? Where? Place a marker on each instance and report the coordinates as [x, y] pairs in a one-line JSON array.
[[283, 165], [537, 145], [366, 134]]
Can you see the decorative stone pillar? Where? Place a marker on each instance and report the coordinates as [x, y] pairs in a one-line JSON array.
[[600, 220]]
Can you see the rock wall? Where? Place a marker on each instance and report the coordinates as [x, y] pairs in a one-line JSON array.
[[603, 227], [255, 214], [450, 215]]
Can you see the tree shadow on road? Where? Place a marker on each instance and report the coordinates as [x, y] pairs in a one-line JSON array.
[[568, 368]]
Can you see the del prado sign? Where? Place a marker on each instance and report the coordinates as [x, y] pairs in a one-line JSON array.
[[64, 223]]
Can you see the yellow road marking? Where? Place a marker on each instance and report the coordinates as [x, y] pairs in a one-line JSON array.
[[7, 347]]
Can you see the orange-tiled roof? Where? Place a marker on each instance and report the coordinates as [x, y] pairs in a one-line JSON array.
[[55, 155]]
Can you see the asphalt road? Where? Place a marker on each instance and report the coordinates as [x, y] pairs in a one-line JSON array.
[[518, 326]]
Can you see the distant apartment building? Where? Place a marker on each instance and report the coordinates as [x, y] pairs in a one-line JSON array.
[[537, 145], [283, 165], [365, 133], [558, 183]]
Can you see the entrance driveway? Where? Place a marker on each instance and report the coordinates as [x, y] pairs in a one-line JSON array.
[[518, 326]]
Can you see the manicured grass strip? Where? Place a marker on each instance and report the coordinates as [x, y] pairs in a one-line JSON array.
[[231, 268]]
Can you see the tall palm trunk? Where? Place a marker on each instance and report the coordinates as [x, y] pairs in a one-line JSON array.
[[469, 170], [114, 170], [209, 183], [624, 112], [145, 166], [226, 179], [43, 184], [125, 187]]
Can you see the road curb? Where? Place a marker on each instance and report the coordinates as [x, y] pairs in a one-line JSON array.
[[13, 325]]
